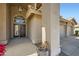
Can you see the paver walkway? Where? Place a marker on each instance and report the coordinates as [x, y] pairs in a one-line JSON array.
[[70, 45], [21, 47]]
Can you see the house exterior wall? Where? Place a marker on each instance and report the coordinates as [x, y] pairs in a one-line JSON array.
[[72, 30], [4, 24], [62, 31], [50, 20], [15, 13], [69, 31], [35, 31], [66, 28], [8, 23], [63, 27]]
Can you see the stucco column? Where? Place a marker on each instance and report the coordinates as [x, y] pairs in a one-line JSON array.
[[50, 20], [2, 23]]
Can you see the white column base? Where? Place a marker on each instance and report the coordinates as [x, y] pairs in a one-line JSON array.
[[56, 52]]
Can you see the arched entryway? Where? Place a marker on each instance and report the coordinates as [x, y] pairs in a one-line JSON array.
[[19, 27]]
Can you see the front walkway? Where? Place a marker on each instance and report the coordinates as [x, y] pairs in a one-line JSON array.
[[70, 46], [21, 47]]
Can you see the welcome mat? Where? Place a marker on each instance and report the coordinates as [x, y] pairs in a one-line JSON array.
[[2, 49]]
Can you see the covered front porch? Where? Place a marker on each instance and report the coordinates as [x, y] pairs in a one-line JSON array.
[[34, 25]]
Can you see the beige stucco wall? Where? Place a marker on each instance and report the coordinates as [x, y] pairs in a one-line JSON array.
[[4, 23], [8, 22], [34, 29], [63, 27], [1, 23], [50, 20], [66, 28], [70, 30], [62, 31]]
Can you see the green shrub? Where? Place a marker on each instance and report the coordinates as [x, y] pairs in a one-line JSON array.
[[76, 32]]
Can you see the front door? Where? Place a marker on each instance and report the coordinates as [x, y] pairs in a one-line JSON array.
[[22, 31], [19, 30], [19, 27], [16, 30]]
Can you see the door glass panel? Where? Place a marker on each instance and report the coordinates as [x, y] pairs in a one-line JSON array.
[[16, 30], [19, 21], [22, 30]]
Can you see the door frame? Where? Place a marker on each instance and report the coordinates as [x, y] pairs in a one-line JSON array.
[[14, 23]]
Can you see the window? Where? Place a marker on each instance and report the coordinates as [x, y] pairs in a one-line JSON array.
[[19, 20]]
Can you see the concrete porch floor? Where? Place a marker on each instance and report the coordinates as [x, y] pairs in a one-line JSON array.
[[70, 46], [21, 47]]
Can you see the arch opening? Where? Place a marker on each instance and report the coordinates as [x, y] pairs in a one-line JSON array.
[[19, 27]]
